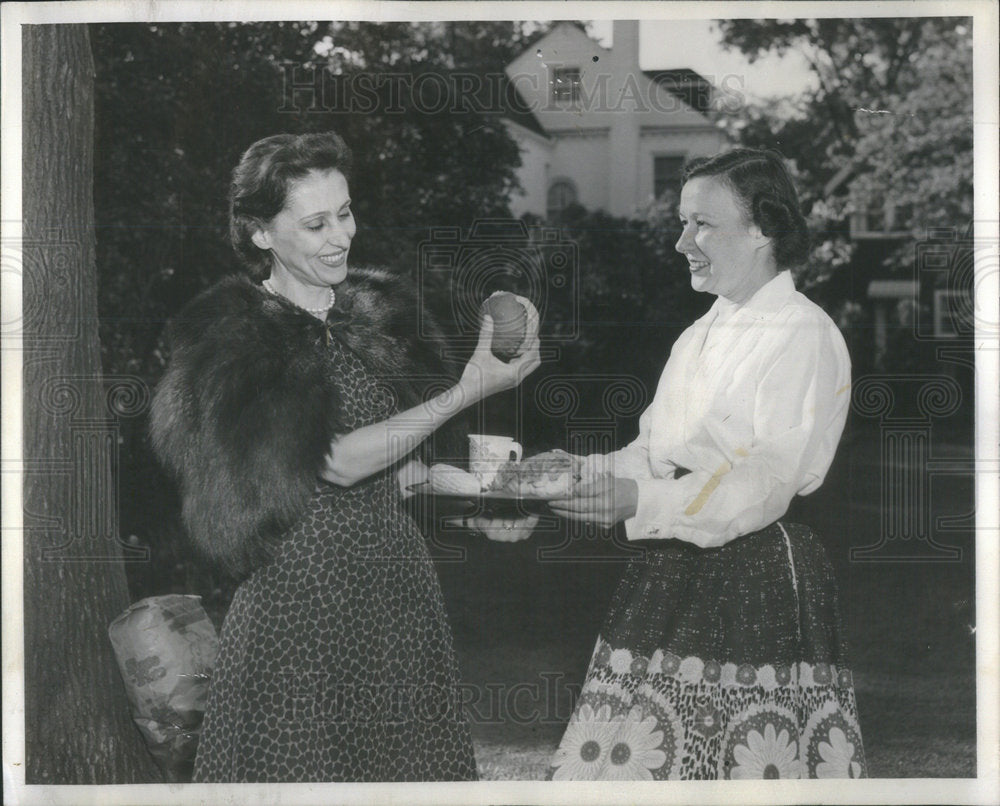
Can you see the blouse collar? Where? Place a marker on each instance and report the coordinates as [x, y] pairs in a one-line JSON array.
[[769, 299]]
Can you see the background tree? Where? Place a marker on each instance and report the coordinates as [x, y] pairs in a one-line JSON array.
[[206, 91], [891, 113], [77, 725], [889, 119], [177, 104]]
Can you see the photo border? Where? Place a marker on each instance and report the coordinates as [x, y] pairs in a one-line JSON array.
[[982, 789]]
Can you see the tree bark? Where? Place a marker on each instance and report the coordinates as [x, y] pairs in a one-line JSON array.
[[78, 729]]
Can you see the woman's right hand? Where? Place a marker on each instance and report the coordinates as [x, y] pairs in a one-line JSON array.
[[485, 374]]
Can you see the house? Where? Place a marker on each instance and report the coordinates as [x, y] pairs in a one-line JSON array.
[[601, 132], [913, 318], [871, 219]]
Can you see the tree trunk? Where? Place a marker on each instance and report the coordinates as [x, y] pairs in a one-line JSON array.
[[78, 729]]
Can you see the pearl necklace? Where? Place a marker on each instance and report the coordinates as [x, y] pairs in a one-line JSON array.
[[315, 311]]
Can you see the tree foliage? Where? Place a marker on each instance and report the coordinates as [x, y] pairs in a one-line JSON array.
[[921, 150], [891, 115], [177, 104]]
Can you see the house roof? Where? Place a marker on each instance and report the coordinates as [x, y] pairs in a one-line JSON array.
[[678, 77], [691, 88], [516, 109], [686, 84]]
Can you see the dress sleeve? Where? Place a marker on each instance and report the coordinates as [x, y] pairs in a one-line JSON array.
[[800, 407]]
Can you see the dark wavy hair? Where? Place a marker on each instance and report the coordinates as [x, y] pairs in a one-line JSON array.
[[261, 181], [761, 184]]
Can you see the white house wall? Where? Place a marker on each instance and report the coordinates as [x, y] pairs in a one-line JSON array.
[[536, 154], [605, 143], [583, 160]]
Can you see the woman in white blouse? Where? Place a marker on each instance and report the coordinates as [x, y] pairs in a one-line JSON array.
[[722, 655]]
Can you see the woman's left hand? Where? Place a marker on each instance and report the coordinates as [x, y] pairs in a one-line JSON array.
[[604, 501]]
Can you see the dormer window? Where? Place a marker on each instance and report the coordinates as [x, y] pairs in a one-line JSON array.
[[566, 84]]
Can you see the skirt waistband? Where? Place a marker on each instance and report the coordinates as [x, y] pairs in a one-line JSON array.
[[660, 551]]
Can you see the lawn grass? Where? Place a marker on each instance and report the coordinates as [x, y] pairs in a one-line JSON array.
[[498, 761]]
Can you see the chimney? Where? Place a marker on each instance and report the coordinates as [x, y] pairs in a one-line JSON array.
[[625, 43], [623, 136]]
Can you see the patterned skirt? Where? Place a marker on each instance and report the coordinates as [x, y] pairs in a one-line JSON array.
[[722, 663]]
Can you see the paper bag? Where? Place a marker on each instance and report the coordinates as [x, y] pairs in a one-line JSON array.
[[166, 648]]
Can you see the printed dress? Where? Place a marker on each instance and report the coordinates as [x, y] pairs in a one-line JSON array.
[[336, 660], [723, 654], [719, 663]]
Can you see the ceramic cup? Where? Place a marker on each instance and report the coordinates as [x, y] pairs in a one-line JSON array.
[[487, 452]]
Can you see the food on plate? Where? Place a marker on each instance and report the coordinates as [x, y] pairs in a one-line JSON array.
[[553, 474], [510, 320], [453, 480], [545, 475]]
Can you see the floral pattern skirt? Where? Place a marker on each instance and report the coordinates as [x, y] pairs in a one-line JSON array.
[[721, 663]]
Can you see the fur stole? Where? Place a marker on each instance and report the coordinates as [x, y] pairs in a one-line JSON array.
[[246, 410]]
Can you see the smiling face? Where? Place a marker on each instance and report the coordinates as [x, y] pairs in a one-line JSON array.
[[310, 238], [727, 254]]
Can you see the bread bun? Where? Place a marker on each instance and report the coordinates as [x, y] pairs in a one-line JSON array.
[[453, 480], [510, 321]]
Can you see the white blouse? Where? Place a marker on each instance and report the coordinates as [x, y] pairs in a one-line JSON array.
[[752, 401]]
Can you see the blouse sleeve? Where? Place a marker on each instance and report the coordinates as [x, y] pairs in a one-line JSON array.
[[632, 461], [800, 407]]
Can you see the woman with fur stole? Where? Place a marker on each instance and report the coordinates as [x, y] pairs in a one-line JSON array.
[[289, 414]]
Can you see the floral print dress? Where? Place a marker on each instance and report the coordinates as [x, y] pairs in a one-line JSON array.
[[744, 676]]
